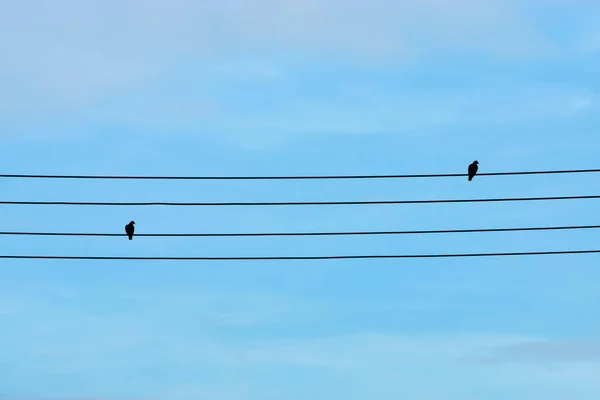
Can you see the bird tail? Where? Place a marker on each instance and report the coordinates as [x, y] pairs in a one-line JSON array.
[[470, 178], [130, 237]]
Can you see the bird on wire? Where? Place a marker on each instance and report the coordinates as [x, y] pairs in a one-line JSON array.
[[473, 169], [130, 229]]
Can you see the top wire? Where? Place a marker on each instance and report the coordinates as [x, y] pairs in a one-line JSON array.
[[305, 177]]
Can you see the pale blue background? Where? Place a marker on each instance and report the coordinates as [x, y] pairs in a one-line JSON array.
[[299, 87]]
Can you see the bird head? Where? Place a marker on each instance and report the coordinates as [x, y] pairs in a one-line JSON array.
[[132, 223], [475, 162]]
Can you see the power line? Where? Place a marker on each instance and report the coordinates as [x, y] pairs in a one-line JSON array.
[[134, 177], [298, 203], [279, 258], [357, 233]]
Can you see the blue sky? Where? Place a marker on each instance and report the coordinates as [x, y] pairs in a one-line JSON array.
[[269, 87]]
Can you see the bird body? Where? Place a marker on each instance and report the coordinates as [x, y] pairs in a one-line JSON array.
[[473, 169], [130, 229]]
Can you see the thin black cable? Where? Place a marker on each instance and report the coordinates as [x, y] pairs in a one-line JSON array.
[[134, 177], [344, 257], [357, 233], [298, 203]]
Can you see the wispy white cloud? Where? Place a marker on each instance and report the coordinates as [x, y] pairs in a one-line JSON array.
[[371, 364], [71, 47], [174, 334], [183, 66], [544, 352]]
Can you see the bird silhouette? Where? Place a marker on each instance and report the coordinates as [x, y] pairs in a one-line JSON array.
[[129, 229], [473, 169]]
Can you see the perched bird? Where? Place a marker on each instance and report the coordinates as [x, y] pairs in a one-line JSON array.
[[473, 169], [129, 229]]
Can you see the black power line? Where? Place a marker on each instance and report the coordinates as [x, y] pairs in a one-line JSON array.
[[298, 203], [133, 177], [280, 258], [421, 232]]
